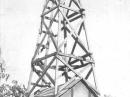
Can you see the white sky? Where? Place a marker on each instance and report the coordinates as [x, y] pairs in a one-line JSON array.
[[108, 32]]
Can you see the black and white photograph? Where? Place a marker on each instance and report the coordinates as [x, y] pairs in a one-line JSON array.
[[64, 48]]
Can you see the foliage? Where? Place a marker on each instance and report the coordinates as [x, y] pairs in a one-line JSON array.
[[15, 90], [7, 90]]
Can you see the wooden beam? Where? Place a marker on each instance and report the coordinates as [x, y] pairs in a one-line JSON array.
[[43, 58], [76, 4], [70, 55], [69, 8], [46, 68], [79, 31], [77, 39], [75, 18], [84, 56], [88, 74], [69, 67], [72, 34], [49, 18], [47, 74], [38, 85], [49, 11]]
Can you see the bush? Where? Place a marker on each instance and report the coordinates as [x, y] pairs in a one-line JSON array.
[[15, 90]]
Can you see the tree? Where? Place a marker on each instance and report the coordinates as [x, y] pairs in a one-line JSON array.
[[6, 90]]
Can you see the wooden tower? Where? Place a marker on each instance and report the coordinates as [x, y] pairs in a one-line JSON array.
[[62, 65]]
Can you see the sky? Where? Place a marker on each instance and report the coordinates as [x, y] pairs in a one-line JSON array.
[[107, 23]]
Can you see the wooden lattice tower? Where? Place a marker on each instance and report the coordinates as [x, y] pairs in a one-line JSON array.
[[62, 52]]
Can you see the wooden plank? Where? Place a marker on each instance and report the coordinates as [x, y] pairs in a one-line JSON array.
[[46, 17], [74, 61], [90, 88], [72, 15], [47, 67], [88, 74], [45, 57], [49, 11], [75, 42], [76, 4], [75, 18], [69, 67], [78, 41], [70, 55], [69, 8], [47, 74], [38, 85]]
